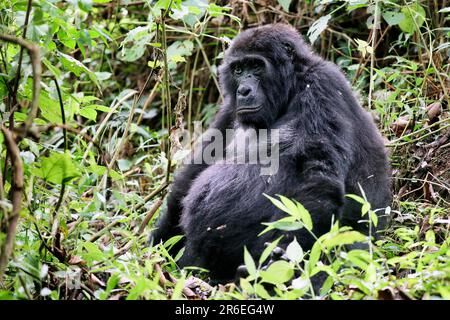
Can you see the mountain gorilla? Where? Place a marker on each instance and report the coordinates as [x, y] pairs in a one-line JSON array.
[[329, 146]]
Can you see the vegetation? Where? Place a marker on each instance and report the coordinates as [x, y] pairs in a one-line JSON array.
[[92, 90]]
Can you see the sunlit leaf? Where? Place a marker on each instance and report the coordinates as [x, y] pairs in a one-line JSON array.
[[317, 27], [58, 168], [278, 272]]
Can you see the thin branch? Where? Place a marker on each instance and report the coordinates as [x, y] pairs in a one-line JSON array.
[[16, 198], [19, 66], [33, 51]]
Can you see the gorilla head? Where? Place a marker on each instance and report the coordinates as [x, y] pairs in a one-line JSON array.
[[257, 74]]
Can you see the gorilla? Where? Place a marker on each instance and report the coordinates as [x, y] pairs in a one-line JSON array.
[[329, 146]]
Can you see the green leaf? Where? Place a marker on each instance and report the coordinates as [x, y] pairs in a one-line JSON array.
[[112, 282], [344, 238], [99, 107], [93, 252], [414, 18], [115, 176], [89, 113], [262, 292], [246, 286], [249, 263], [365, 208], [267, 251], [177, 51], [285, 224], [314, 255], [135, 43], [277, 203], [278, 272], [285, 4], [393, 18], [317, 27], [294, 251], [290, 206], [356, 198], [305, 216], [76, 67], [371, 273], [50, 109], [177, 58], [59, 168], [374, 218]]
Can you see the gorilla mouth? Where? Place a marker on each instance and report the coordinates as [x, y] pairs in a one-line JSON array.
[[248, 109]]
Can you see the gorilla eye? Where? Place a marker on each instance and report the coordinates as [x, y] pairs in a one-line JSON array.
[[289, 49], [237, 70]]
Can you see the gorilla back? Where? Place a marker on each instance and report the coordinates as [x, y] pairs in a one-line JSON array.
[[328, 147]]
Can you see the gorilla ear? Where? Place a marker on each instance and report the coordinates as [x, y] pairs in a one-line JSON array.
[[289, 49]]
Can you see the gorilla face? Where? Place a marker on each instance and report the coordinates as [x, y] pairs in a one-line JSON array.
[[247, 77], [250, 97], [257, 76]]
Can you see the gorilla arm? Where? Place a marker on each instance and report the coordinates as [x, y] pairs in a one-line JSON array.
[[321, 150], [322, 187]]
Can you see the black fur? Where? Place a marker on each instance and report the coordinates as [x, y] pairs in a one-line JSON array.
[[328, 144]]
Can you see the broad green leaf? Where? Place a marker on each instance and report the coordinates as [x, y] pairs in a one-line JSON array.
[[59, 168], [327, 286], [89, 113], [414, 17], [393, 18], [294, 251], [278, 272], [356, 4], [93, 252], [50, 109], [112, 282], [77, 67], [301, 283], [135, 43], [177, 51], [344, 238], [115, 176], [359, 258]]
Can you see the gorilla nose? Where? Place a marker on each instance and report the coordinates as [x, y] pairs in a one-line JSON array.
[[244, 91]]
